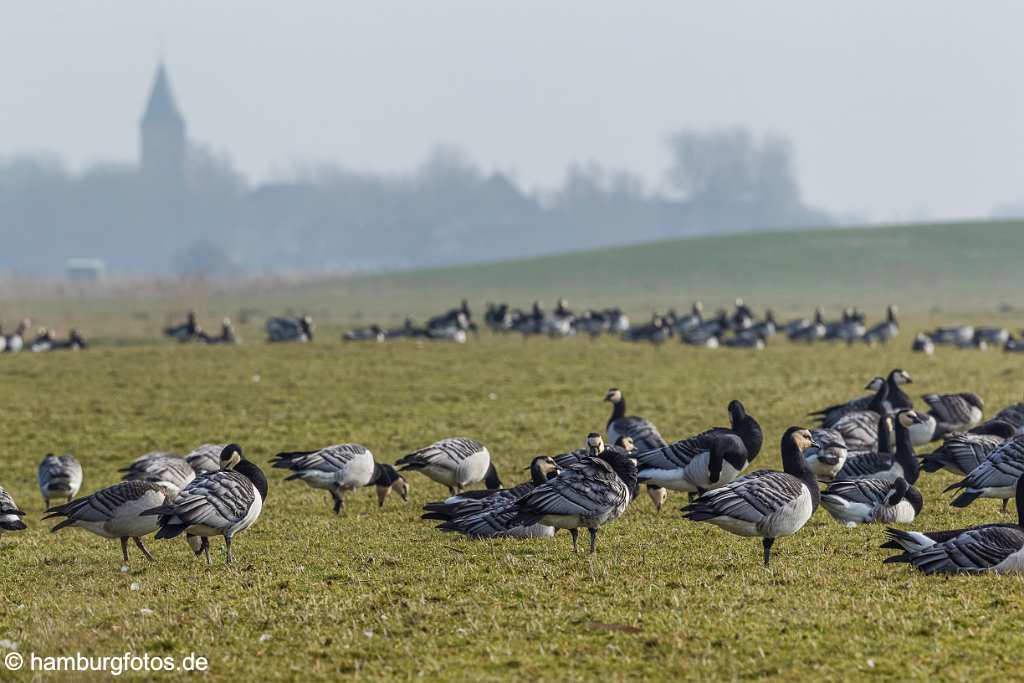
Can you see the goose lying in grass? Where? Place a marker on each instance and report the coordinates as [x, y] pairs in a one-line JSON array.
[[765, 504], [342, 468], [989, 548], [829, 454], [867, 501], [954, 412]]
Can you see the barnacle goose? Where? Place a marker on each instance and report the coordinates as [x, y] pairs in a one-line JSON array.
[[16, 341], [10, 515], [692, 465], [117, 511], [59, 477], [170, 471], [455, 462], [1014, 345], [813, 332], [290, 329], [961, 452], [226, 336], [371, 333], [764, 504], [896, 397], [888, 466], [994, 478], [745, 340], [644, 434], [221, 503], [954, 412], [342, 468], [1014, 414], [923, 344], [692, 320], [205, 458], [495, 515], [995, 336], [828, 455], [884, 331], [656, 332], [590, 494], [869, 501], [957, 335], [186, 331], [995, 548]]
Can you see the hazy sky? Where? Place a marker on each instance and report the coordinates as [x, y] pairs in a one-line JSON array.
[[896, 109]]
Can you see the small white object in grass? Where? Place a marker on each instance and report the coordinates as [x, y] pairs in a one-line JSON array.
[[124, 569], [265, 637], [8, 645], [871, 664], [145, 611], [493, 396], [368, 633], [461, 631], [256, 378], [135, 586]]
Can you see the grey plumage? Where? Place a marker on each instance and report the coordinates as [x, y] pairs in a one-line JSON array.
[[10, 514], [961, 452], [994, 478], [205, 458], [954, 412], [59, 477], [865, 501], [170, 470], [456, 462]]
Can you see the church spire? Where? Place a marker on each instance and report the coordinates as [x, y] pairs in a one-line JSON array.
[[161, 107], [163, 134]]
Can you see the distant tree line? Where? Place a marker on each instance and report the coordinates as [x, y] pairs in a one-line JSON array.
[[329, 219]]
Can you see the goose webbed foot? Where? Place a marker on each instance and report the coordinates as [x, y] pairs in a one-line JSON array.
[[338, 502]]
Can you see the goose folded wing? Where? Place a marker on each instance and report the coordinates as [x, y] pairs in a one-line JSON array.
[[972, 551], [752, 497], [865, 465], [679, 453], [217, 500], [583, 490], [644, 434], [948, 408], [866, 491]]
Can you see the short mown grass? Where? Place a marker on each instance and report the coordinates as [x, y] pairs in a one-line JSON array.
[[380, 594]]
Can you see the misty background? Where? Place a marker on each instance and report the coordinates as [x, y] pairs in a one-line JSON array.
[[346, 138]]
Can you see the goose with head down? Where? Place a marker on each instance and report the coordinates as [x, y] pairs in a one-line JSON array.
[[10, 515], [341, 468], [455, 462], [764, 504], [867, 501]]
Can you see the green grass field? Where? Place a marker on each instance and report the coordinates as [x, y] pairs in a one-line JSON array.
[[378, 594]]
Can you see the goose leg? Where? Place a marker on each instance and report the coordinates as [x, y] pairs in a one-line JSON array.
[[205, 548], [575, 535], [338, 502], [46, 503], [124, 548], [1005, 501], [227, 542], [767, 542], [593, 541], [145, 551]]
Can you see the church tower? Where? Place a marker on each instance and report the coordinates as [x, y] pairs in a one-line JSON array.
[[162, 134]]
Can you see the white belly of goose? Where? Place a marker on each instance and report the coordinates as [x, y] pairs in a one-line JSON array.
[[128, 519], [469, 471], [691, 478], [1013, 564]]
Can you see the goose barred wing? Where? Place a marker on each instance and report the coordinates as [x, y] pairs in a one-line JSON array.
[[866, 491], [964, 451], [643, 432], [750, 498], [217, 500], [975, 550], [206, 458], [1003, 468], [949, 408], [865, 465], [1013, 414], [830, 414], [587, 489], [452, 451], [567, 460], [679, 453], [7, 505], [331, 459], [102, 505]]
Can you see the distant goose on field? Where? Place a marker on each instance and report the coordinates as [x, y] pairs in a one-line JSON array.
[[996, 477], [371, 333], [205, 458], [656, 332], [590, 494], [692, 465], [185, 331], [995, 548], [59, 477], [829, 454], [764, 329], [222, 503], [342, 468], [455, 462], [923, 344], [1014, 346], [114, 512], [290, 329], [765, 504], [16, 340], [226, 336], [885, 331], [170, 471], [10, 515], [888, 466], [956, 335], [961, 452], [894, 396], [954, 412], [745, 341], [870, 501], [642, 432], [993, 336], [692, 320], [811, 333]]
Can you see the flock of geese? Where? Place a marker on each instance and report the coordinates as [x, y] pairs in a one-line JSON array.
[[44, 340], [859, 464]]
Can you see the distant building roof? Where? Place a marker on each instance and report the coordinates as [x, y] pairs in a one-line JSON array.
[[161, 107]]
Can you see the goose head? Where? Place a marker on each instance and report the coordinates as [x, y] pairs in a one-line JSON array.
[[626, 444], [230, 456], [613, 396], [909, 418], [595, 444], [390, 480], [875, 384], [658, 496], [973, 399], [900, 376]]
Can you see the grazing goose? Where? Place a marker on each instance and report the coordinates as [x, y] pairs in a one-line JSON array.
[[222, 503], [10, 515], [186, 331], [764, 504], [961, 452], [172, 472], [342, 468], [996, 477], [957, 335], [59, 477], [690, 464], [205, 458], [888, 466], [226, 336], [290, 329], [811, 333], [884, 331], [829, 454], [455, 462], [590, 494], [989, 548], [954, 412], [116, 511], [923, 344], [870, 501], [896, 397]]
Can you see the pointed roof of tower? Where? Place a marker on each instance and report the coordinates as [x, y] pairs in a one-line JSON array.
[[161, 107]]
